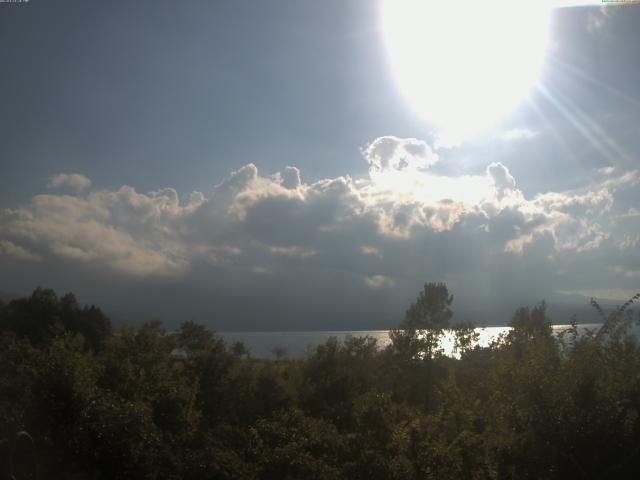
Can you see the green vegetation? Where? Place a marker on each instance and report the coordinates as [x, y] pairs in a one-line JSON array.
[[144, 403]]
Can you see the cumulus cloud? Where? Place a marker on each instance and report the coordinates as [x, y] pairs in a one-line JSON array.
[[74, 181], [593, 203], [502, 180], [338, 237], [154, 233], [106, 229], [291, 177], [393, 153]]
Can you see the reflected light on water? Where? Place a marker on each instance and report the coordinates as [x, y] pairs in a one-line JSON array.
[[298, 344]]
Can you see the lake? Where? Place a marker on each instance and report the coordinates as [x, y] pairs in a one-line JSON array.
[[297, 344]]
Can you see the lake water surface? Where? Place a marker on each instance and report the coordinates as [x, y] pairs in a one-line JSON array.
[[297, 344]]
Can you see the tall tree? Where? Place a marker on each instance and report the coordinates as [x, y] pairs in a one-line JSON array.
[[425, 322]]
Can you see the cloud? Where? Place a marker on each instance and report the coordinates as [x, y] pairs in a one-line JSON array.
[[379, 281], [74, 181], [502, 180], [10, 249], [333, 245], [153, 233], [628, 243], [607, 170], [393, 153], [369, 250], [592, 203], [107, 229], [622, 270], [291, 177], [630, 178], [632, 212], [293, 251]]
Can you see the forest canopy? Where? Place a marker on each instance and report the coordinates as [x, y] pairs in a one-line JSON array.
[[81, 399]]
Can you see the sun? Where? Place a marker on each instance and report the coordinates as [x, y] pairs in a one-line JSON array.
[[464, 64]]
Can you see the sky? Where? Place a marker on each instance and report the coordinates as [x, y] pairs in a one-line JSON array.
[[261, 166]]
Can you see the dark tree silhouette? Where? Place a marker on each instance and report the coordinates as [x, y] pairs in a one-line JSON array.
[[42, 316], [531, 322], [239, 349], [431, 310], [193, 336], [425, 321]]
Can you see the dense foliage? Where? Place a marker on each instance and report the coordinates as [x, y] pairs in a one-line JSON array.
[[146, 403]]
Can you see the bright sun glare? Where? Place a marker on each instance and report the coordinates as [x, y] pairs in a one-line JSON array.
[[464, 64]]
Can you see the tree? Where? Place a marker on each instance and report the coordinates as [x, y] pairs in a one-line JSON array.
[[531, 323], [425, 321], [36, 317], [431, 310], [279, 352], [43, 315], [193, 336], [239, 349]]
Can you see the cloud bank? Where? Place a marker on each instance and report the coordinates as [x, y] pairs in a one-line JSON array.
[[336, 247]]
